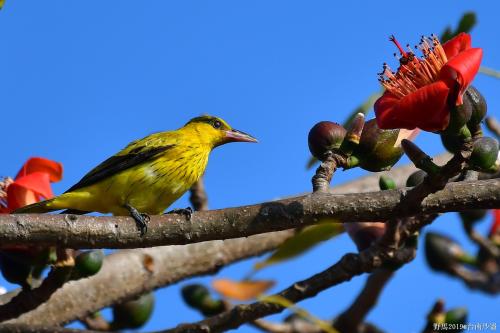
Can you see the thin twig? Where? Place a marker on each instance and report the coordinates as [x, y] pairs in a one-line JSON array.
[[199, 197]]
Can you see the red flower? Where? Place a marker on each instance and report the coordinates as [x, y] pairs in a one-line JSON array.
[[423, 90], [495, 227], [31, 184]]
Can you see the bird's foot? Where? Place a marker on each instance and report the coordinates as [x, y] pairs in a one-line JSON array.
[[187, 212], [141, 219]]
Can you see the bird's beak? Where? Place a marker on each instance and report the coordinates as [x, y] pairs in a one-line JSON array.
[[238, 136]]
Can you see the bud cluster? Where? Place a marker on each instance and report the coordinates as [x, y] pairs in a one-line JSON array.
[[364, 144]]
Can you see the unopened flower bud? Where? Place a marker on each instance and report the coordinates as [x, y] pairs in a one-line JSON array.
[[198, 297], [416, 178], [379, 149], [442, 253], [133, 314], [456, 317], [325, 136], [89, 263], [386, 183], [477, 103], [364, 234], [451, 142], [484, 153]]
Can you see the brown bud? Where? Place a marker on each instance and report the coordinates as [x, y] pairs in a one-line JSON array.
[[325, 136]]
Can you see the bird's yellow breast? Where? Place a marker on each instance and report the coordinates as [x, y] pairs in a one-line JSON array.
[[149, 187]]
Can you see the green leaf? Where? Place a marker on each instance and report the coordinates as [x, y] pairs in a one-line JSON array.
[[282, 301], [467, 22], [303, 241]]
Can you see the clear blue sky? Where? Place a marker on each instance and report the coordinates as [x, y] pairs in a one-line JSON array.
[[80, 79]]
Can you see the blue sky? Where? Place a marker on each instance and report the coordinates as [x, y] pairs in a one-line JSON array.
[[80, 79]]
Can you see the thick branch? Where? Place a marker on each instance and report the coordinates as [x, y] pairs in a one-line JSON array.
[[121, 232], [129, 273]]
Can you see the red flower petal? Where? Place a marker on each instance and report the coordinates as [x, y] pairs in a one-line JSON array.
[[462, 69], [28, 189], [40, 164], [457, 44], [496, 222], [425, 108]]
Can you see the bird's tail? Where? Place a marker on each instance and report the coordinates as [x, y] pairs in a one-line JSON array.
[[37, 207]]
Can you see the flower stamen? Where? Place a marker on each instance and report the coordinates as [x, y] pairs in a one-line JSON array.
[[414, 72]]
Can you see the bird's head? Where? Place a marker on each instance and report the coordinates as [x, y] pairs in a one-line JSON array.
[[216, 131]]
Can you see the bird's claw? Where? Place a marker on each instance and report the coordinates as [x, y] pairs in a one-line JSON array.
[[141, 219], [187, 212]]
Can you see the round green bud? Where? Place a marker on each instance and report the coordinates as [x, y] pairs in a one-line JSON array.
[[416, 178], [325, 136], [195, 295], [386, 183], [456, 316], [133, 314], [89, 263], [484, 153]]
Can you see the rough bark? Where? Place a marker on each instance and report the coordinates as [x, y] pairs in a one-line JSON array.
[[121, 232]]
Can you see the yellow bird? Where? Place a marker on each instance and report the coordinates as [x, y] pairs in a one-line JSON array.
[[148, 175]]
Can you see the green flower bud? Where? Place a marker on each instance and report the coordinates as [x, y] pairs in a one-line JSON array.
[[442, 253], [456, 316], [198, 297], [484, 153], [89, 263], [386, 183], [416, 178], [451, 142], [133, 314], [476, 102], [325, 136], [194, 295], [378, 149]]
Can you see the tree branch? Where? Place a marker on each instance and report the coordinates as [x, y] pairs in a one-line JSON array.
[[129, 273], [121, 232]]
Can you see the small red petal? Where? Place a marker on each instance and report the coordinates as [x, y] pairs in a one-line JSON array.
[[28, 189], [457, 44], [425, 108], [496, 222], [40, 164], [462, 69]]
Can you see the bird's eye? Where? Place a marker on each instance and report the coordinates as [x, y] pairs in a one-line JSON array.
[[217, 124]]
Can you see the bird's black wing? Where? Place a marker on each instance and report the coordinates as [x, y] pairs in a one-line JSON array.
[[118, 163]]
